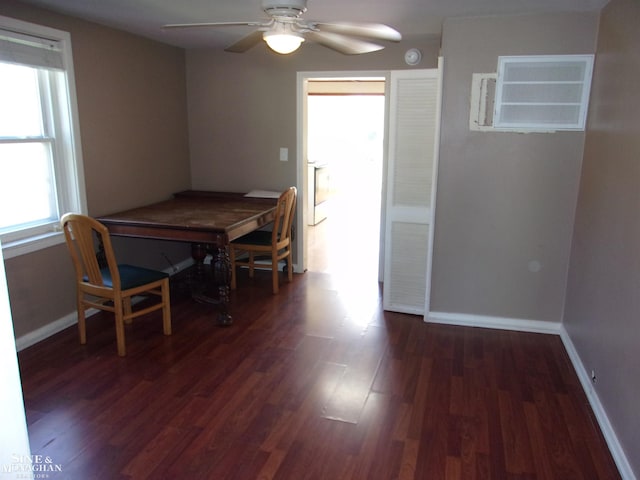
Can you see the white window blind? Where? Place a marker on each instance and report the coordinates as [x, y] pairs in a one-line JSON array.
[[29, 50]]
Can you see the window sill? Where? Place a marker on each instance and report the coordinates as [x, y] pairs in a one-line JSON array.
[[31, 244]]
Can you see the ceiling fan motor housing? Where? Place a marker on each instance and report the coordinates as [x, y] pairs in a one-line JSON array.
[[284, 8], [285, 30]]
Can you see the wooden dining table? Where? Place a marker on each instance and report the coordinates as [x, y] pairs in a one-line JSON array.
[[207, 220]]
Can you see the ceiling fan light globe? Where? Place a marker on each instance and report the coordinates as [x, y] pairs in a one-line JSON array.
[[283, 43]]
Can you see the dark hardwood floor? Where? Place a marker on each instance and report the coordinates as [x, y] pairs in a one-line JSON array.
[[314, 383]]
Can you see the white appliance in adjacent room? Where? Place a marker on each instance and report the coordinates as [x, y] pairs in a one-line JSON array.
[[319, 192]]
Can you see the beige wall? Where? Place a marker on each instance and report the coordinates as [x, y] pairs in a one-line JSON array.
[[242, 108], [131, 99], [504, 200], [603, 300], [133, 118]]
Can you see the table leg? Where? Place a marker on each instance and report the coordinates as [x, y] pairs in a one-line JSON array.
[[197, 280], [221, 270], [222, 278], [198, 253]]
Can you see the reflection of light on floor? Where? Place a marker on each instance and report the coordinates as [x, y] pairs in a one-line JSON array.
[[346, 245]]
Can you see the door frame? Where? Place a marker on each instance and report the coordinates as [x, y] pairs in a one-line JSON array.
[[301, 155]]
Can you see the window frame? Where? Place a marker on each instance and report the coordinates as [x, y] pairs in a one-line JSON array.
[[62, 131]]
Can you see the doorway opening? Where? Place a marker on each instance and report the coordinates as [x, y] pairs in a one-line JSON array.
[[344, 151]]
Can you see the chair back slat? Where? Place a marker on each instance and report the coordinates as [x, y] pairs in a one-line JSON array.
[[81, 233], [254, 245], [285, 212]]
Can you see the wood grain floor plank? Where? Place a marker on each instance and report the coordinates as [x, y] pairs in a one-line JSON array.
[[307, 385], [514, 434]]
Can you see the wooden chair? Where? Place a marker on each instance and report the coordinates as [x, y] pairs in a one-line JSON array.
[[110, 288], [272, 246]]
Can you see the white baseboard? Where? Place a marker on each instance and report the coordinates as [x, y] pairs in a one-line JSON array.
[[180, 266], [500, 323], [482, 321], [554, 328], [56, 326], [601, 415], [47, 331]]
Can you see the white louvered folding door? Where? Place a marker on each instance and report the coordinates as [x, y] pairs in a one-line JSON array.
[[413, 127]]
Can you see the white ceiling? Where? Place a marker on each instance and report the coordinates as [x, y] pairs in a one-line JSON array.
[[410, 17]]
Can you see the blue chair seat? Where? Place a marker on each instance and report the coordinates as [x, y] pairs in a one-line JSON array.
[[257, 237], [131, 277]]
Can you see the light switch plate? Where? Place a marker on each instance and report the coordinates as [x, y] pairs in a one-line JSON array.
[[284, 154]]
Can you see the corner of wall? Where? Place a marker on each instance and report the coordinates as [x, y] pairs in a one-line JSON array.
[[608, 432]]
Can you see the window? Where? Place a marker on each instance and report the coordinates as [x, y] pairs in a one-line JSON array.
[[543, 92], [40, 162]]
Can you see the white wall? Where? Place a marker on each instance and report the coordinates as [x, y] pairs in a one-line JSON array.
[[14, 440]]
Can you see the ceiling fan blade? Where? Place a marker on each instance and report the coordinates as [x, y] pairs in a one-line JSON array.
[[342, 43], [217, 24], [376, 31], [246, 42]]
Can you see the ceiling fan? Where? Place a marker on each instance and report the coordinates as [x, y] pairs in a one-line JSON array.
[[285, 30]]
